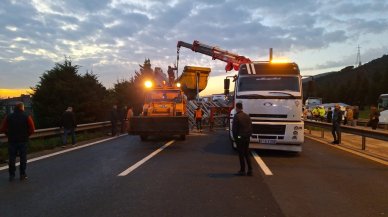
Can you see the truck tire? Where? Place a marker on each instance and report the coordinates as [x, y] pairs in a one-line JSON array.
[[143, 137], [182, 137]]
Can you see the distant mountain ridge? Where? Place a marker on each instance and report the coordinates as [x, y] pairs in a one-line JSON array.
[[355, 86]]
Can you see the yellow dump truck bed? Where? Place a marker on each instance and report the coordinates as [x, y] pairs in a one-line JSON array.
[[188, 80]]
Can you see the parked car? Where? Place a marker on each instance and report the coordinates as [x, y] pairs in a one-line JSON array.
[[218, 97]]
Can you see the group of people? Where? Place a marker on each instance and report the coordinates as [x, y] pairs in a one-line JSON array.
[[198, 117], [349, 117], [19, 126], [350, 114], [120, 116]]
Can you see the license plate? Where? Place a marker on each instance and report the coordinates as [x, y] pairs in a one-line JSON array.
[[267, 141]]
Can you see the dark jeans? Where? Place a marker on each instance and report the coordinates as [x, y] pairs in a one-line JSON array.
[[243, 153], [198, 121], [211, 125], [374, 123], [336, 131], [114, 128], [65, 133], [13, 149]]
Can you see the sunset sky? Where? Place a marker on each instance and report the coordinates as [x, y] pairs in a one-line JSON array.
[[111, 37]]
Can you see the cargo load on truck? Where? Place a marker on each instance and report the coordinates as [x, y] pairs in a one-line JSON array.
[[193, 80]]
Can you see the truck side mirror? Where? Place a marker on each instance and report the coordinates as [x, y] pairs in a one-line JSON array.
[[226, 86]]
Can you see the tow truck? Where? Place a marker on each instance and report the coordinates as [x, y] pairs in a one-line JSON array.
[[271, 93], [164, 112]]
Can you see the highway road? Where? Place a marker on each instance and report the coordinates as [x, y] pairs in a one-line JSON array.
[[160, 177]]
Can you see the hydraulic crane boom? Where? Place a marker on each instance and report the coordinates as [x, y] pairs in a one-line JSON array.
[[233, 60]]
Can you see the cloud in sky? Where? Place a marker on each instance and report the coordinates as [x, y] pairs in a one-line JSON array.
[[111, 37]]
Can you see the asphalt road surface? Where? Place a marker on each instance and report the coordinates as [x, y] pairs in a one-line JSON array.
[[196, 177]]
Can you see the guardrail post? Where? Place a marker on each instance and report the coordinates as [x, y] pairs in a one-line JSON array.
[[322, 133], [339, 137], [363, 143], [310, 130]]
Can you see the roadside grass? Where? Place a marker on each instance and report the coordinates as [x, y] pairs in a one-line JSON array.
[[48, 143], [364, 114]]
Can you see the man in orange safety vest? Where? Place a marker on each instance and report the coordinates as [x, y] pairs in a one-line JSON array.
[[198, 113]]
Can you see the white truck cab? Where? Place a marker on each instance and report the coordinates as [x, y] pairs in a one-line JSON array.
[[383, 108], [271, 94]]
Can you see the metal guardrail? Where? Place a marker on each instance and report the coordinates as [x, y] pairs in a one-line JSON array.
[[364, 133], [57, 131]]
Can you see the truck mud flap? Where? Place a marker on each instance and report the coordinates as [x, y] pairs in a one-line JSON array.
[[159, 126]]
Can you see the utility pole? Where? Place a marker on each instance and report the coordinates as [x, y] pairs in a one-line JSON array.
[[358, 60]]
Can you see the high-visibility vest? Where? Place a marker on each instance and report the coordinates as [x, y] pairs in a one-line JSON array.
[[198, 113], [322, 112]]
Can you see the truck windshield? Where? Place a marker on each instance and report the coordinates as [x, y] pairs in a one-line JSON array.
[[164, 96], [268, 83]]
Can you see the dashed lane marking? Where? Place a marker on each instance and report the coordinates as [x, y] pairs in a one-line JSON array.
[[351, 151], [261, 163], [139, 163], [197, 134], [62, 152]]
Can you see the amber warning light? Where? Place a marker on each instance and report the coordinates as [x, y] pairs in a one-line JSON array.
[[148, 84]]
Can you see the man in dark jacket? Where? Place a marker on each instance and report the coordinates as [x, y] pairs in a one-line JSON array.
[[68, 123], [123, 119], [336, 127], [18, 126], [114, 118], [329, 116], [242, 130]]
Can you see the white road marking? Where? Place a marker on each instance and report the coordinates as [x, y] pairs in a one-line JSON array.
[[139, 163], [197, 134], [261, 163], [351, 151], [62, 152]]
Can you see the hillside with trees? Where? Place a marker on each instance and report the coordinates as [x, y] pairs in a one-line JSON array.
[[354, 86]]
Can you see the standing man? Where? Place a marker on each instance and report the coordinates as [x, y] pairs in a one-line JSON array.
[[123, 119], [211, 118], [171, 75], [129, 116], [374, 117], [322, 113], [336, 128], [198, 113], [18, 126], [329, 116], [68, 123], [349, 116], [114, 117], [356, 114], [242, 130]]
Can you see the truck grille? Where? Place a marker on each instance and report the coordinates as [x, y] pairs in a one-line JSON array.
[[268, 129]]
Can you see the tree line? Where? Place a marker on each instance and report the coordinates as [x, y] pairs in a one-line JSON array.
[[354, 86], [64, 86]]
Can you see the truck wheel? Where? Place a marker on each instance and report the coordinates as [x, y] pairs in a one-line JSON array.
[[143, 137], [182, 137]]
